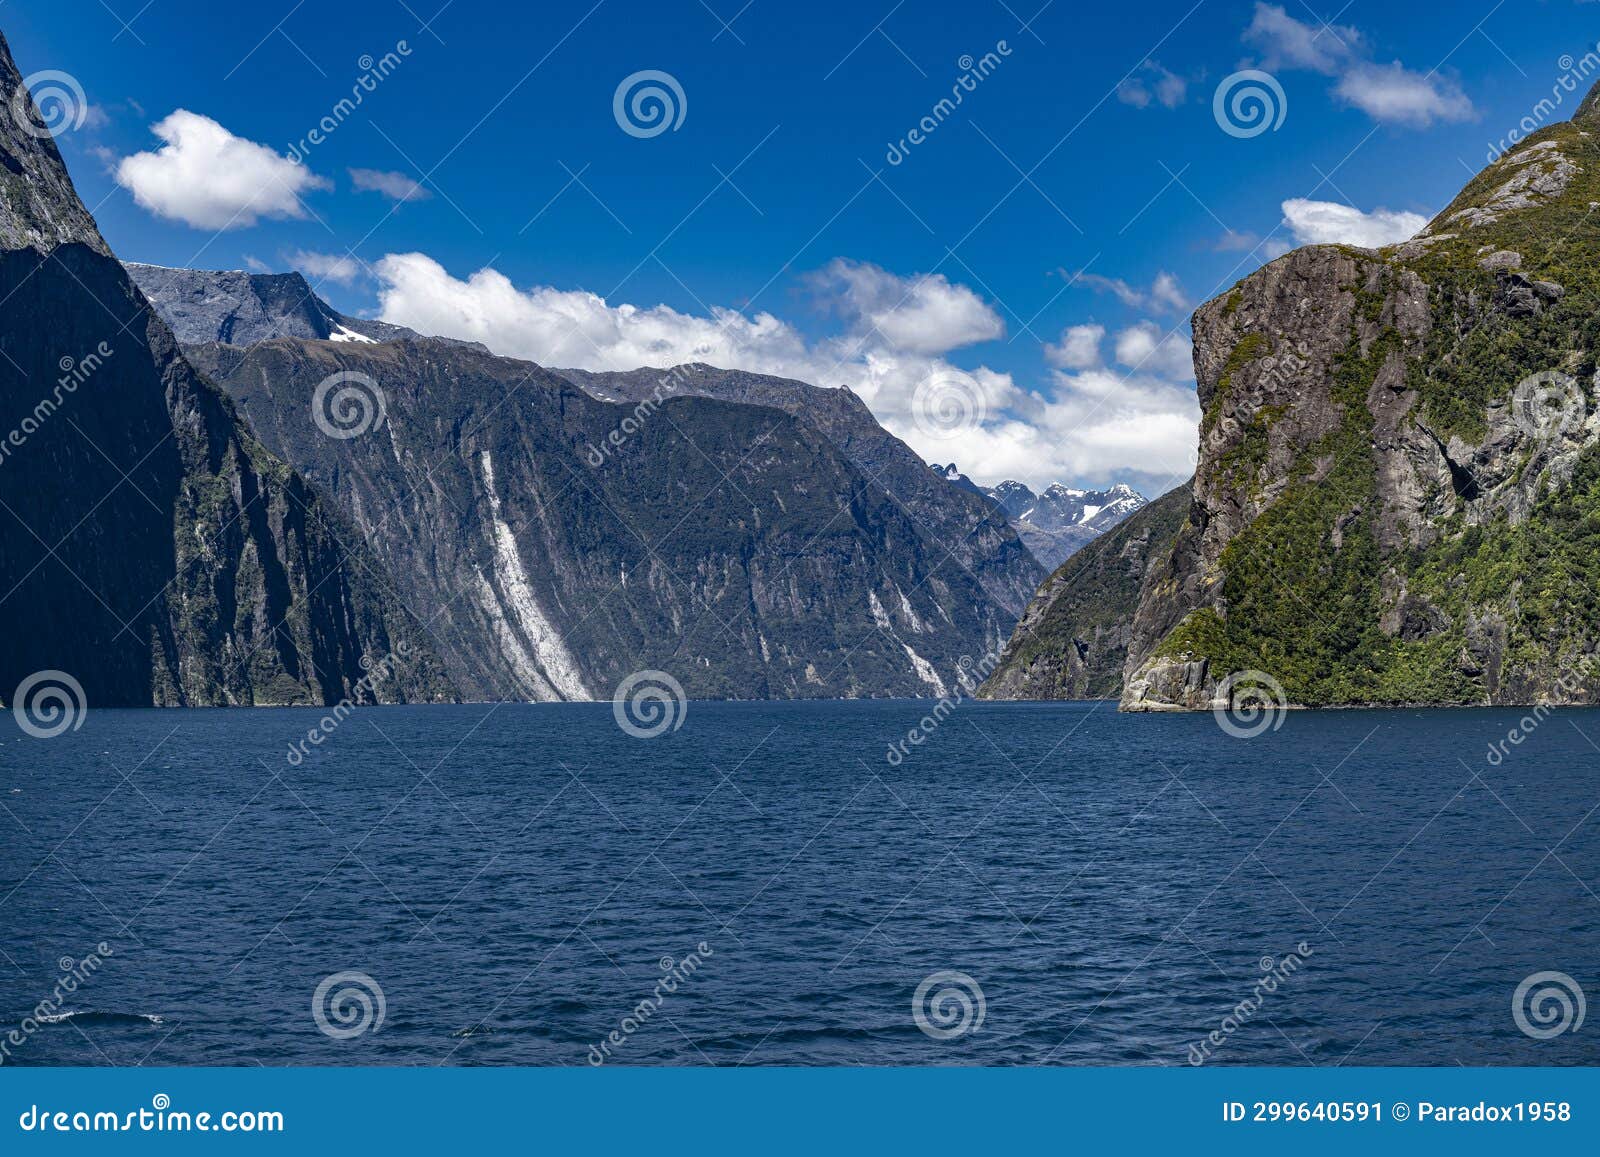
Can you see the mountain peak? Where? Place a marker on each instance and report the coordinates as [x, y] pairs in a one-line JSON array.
[[39, 208], [239, 308], [1589, 110]]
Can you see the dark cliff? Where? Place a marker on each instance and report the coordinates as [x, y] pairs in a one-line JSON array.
[[149, 546]]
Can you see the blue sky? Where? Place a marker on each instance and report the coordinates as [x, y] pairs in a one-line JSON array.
[[1011, 294]]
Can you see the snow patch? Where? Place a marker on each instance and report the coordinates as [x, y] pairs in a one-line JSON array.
[[343, 333]]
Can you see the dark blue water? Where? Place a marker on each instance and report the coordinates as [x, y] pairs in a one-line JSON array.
[[513, 878]]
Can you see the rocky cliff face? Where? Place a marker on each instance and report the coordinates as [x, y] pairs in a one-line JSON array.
[[950, 518], [1398, 497], [239, 307], [149, 546], [1072, 642], [557, 543]]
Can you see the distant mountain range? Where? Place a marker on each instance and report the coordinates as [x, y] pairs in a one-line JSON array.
[[1059, 522]]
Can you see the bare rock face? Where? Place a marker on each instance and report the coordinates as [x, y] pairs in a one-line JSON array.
[[1398, 494], [557, 543], [150, 548]]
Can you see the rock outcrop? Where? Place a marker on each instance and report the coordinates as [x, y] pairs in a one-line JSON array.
[[1398, 496], [150, 548]]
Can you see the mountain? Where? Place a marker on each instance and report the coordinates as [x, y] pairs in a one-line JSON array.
[[1061, 521], [1058, 523], [732, 545], [150, 547], [1398, 495], [952, 519], [542, 522], [1072, 642], [241, 308]]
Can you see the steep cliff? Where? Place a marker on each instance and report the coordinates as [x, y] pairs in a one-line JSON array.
[[950, 519], [149, 546], [1398, 496], [1072, 641], [557, 543]]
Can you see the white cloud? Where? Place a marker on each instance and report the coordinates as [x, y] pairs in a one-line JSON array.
[[1148, 348], [1288, 43], [928, 315], [327, 266], [395, 186], [1086, 422], [206, 177], [1328, 223], [1079, 348], [1164, 294], [1388, 93], [1153, 84], [1395, 95]]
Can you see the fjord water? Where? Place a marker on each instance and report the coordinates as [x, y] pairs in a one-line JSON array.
[[515, 879]]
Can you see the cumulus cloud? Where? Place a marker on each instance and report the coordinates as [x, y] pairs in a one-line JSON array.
[[1079, 348], [1148, 348], [1328, 223], [206, 177], [395, 186], [1388, 93], [1084, 421], [327, 266], [927, 315]]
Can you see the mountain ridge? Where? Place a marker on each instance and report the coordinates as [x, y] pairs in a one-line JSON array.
[[198, 569]]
